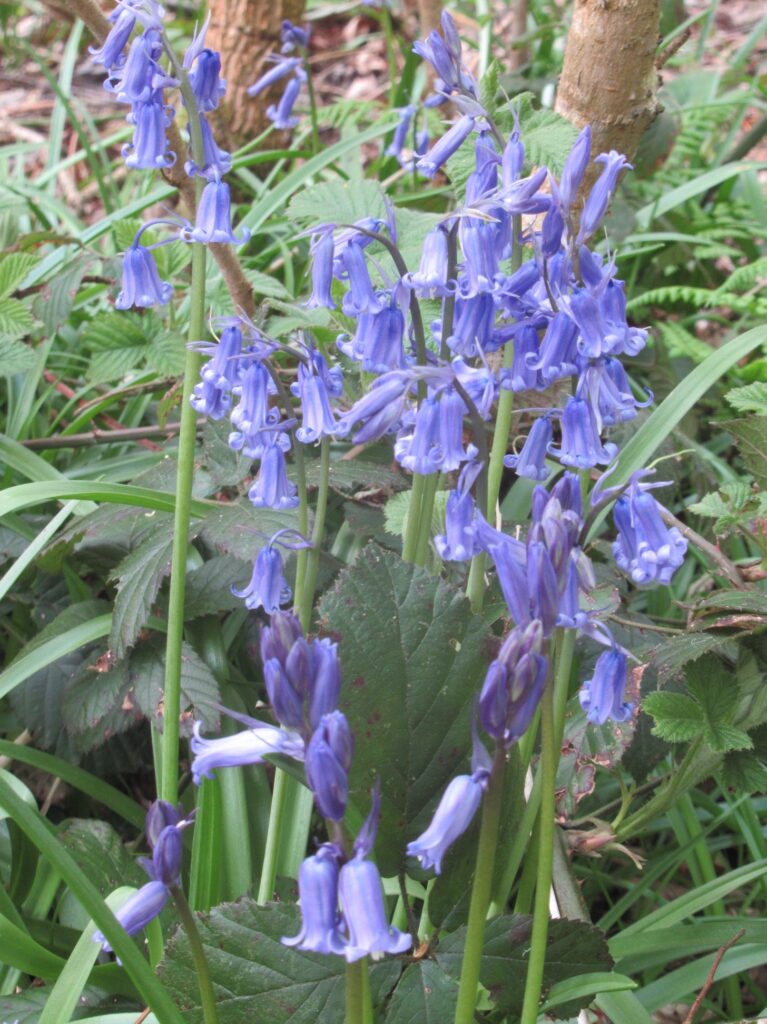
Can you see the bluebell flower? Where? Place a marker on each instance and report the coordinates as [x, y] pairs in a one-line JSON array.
[[292, 36], [318, 896], [512, 159], [435, 441], [473, 326], [318, 418], [244, 748], [454, 813], [141, 284], [558, 350], [322, 251], [543, 585], [361, 297], [574, 169], [581, 445], [522, 376], [601, 696], [287, 703], [159, 816], [206, 82], [480, 257], [328, 760], [600, 195], [444, 55], [212, 396], [268, 588], [378, 340], [551, 231], [449, 144], [149, 147], [480, 383], [281, 114], [360, 891], [399, 139], [110, 53], [216, 162], [138, 911], [524, 196], [431, 279], [272, 488], [459, 542], [646, 549], [379, 410], [277, 639], [283, 66], [252, 413], [165, 863], [531, 461], [214, 217], [514, 685], [141, 76], [325, 687]]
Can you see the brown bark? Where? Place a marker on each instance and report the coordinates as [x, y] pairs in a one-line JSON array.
[[609, 79], [429, 13], [513, 25], [245, 32]]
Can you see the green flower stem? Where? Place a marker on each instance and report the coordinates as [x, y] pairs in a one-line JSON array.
[[207, 995], [519, 847], [168, 781], [412, 529], [549, 758], [359, 1006], [427, 512], [480, 892], [316, 145], [273, 833], [305, 596]]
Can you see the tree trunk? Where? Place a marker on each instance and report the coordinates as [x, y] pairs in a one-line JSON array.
[[246, 32], [609, 79]]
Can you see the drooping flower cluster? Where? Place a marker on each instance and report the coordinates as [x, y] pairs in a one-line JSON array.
[[285, 68], [342, 900], [140, 68]]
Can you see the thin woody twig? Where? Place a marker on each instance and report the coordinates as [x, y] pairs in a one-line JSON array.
[[91, 437], [673, 47], [728, 568], [710, 976]]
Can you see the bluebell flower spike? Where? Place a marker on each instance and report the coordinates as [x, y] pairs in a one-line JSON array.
[[321, 921]]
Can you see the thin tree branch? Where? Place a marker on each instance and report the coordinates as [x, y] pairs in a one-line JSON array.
[[710, 976], [91, 437], [728, 568]]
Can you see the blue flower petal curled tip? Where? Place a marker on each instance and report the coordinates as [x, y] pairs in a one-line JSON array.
[[321, 920], [531, 461], [149, 148], [212, 396], [205, 80], [244, 748], [646, 549], [328, 760], [601, 696], [430, 281], [216, 162], [361, 894], [141, 284], [452, 817], [600, 195], [272, 488], [581, 445], [446, 147], [268, 588], [138, 910], [110, 53], [214, 218]]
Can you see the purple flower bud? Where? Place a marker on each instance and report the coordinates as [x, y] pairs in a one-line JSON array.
[[283, 67], [581, 445], [514, 685], [141, 284], [459, 541], [160, 815], [328, 759], [138, 910], [543, 584], [449, 144], [278, 637], [244, 748], [513, 160], [452, 817], [216, 162], [212, 395], [110, 53], [646, 549], [207, 86], [601, 696], [214, 217], [280, 114], [166, 856], [318, 896], [430, 280], [575, 167], [531, 461], [434, 50], [272, 488], [287, 704], [149, 148], [395, 147], [601, 194], [551, 232], [326, 683], [268, 588], [362, 900], [322, 250], [379, 410], [292, 36]]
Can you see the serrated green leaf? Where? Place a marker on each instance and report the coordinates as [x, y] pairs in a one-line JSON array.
[[751, 437], [711, 685], [15, 357], [751, 398], [255, 977], [14, 267], [99, 852], [54, 301], [15, 318], [424, 995], [138, 577], [488, 86], [744, 772], [266, 286], [408, 687], [677, 717], [680, 342], [337, 202], [348, 475], [119, 342], [240, 529], [672, 656], [722, 738], [209, 588], [548, 138]]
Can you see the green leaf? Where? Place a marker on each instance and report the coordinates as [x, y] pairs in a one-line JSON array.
[[677, 717], [255, 977], [99, 852], [15, 318], [14, 267], [751, 398], [54, 302], [408, 683], [488, 86], [120, 342], [348, 475], [266, 286], [139, 577], [573, 949], [548, 138], [711, 685], [241, 530], [744, 772], [25, 495], [722, 738], [680, 342], [586, 985], [209, 588], [337, 202], [751, 438], [672, 656], [15, 357], [669, 199], [424, 995]]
